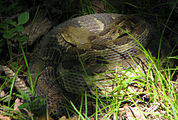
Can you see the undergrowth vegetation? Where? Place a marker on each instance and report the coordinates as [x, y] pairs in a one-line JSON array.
[[136, 94]]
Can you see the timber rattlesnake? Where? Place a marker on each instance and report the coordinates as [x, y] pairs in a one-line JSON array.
[[71, 54], [77, 54]]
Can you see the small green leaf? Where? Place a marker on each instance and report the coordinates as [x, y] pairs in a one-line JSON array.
[[10, 22], [23, 18], [4, 26], [25, 95], [8, 35], [24, 105], [23, 38], [12, 31], [19, 28]]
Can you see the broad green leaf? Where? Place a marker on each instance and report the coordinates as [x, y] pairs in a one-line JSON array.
[[23, 18]]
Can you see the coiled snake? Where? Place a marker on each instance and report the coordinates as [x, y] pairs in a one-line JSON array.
[[77, 54]]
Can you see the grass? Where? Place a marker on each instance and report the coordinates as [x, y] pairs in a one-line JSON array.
[[151, 95], [159, 89]]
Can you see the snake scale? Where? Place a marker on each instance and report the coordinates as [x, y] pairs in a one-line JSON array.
[[76, 55]]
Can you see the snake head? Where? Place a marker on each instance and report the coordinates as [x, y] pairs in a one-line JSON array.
[[77, 37]]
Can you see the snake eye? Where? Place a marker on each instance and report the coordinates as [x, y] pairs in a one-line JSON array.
[[92, 38]]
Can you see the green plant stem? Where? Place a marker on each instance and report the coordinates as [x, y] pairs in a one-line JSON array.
[[12, 85]]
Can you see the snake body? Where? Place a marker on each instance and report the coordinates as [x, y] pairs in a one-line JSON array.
[[76, 54]]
